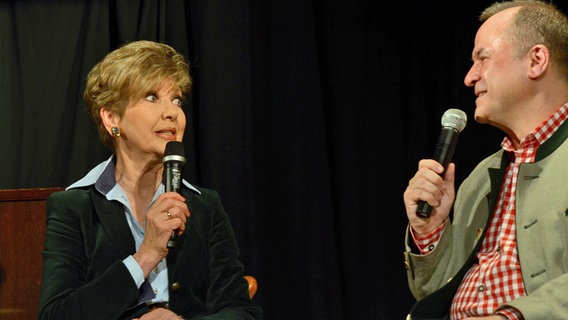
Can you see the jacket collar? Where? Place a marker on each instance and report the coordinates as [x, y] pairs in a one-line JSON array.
[[553, 142]]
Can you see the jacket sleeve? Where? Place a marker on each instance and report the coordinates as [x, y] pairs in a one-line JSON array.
[[226, 296], [68, 289]]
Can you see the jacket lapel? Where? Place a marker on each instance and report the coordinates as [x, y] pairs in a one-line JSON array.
[[111, 217]]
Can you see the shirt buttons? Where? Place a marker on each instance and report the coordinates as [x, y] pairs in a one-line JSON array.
[[431, 247], [481, 288]]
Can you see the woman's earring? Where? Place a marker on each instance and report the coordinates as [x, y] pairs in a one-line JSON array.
[[115, 131]]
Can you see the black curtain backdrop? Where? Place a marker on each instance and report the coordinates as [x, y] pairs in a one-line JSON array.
[[309, 118]]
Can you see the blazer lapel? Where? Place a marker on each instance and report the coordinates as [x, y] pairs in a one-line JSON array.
[[111, 216]]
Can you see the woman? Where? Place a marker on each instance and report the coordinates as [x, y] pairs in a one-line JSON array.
[[106, 254]]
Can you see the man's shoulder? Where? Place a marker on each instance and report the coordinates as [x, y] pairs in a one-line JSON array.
[[492, 161]]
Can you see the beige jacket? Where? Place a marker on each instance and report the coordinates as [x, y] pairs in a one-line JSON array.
[[542, 235]]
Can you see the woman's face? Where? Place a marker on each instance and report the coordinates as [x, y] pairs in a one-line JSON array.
[[148, 124]]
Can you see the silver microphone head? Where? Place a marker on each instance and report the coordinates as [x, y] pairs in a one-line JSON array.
[[455, 119]]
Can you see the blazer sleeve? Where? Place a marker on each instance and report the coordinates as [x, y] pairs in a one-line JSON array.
[[225, 294], [72, 288]]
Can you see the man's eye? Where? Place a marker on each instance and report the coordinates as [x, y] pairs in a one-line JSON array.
[[151, 97]]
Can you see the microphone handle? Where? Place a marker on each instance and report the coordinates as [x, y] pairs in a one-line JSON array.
[[173, 173], [443, 154]]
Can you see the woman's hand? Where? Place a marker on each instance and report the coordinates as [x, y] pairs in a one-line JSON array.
[[160, 314], [168, 214]]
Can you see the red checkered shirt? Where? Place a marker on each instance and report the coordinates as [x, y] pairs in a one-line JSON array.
[[497, 278]]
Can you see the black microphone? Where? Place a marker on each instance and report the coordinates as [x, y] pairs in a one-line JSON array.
[[453, 122], [173, 161]]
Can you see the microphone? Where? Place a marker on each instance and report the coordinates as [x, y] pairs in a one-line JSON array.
[[173, 161], [453, 122]]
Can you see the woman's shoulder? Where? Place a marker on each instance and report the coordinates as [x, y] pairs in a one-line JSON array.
[[207, 201], [70, 196], [198, 192]]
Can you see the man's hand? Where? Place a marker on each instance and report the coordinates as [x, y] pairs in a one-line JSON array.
[[427, 185]]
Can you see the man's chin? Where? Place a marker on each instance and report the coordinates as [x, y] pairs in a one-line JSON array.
[[478, 115], [481, 119]]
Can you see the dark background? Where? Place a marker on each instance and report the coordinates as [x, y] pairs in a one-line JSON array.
[[308, 117]]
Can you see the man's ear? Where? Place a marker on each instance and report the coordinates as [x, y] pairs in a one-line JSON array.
[[540, 61], [109, 119]]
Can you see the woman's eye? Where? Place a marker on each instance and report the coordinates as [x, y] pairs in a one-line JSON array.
[[177, 102], [151, 97]]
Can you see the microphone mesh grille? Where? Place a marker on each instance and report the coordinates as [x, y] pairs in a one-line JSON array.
[[174, 152], [174, 148], [454, 118]]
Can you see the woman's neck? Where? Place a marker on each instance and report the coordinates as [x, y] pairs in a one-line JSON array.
[[139, 180]]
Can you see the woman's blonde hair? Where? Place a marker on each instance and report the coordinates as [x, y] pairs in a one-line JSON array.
[[130, 72]]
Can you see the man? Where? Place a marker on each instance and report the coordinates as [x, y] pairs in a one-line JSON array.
[[500, 251]]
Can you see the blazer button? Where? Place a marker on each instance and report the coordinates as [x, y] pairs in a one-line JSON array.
[[175, 287]]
